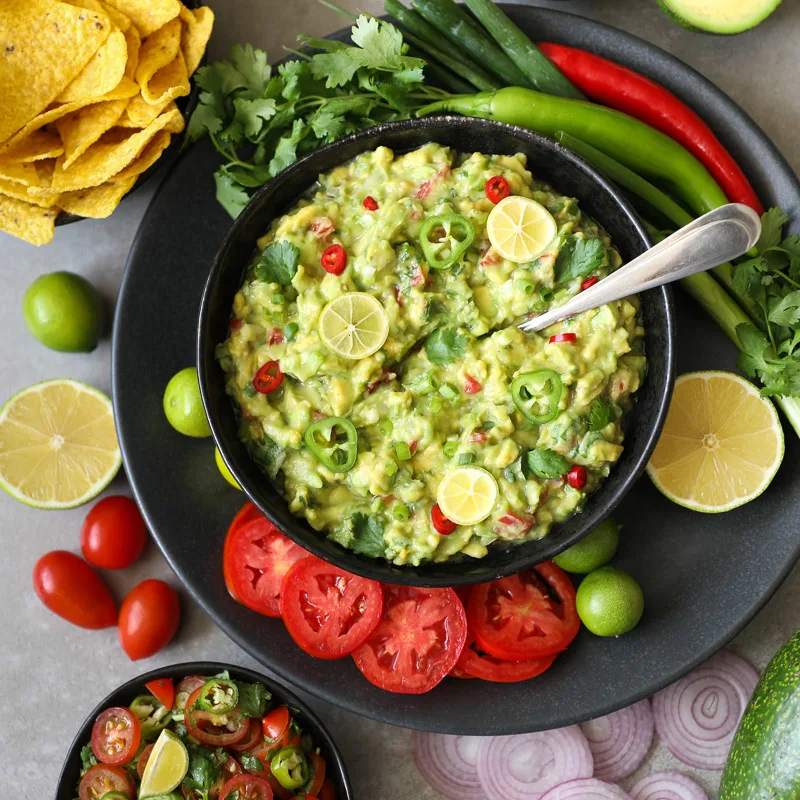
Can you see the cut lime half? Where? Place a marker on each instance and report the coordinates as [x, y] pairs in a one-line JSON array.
[[520, 229], [467, 495], [167, 766], [354, 325]]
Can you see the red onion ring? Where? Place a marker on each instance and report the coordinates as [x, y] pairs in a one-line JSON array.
[[620, 741], [697, 716], [667, 786], [449, 763], [586, 789], [525, 767]]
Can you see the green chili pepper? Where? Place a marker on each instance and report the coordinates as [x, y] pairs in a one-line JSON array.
[[218, 696], [334, 442], [537, 394], [290, 330], [290, 768], [466, 458], [402, 450], [445, 238], [153, 716]]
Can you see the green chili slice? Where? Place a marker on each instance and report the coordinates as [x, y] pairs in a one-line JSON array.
[[537, 394], [153, 716], [334, 443], [445, 238], [218, 696], [290, 768]]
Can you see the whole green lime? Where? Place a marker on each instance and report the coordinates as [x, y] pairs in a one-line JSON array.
[[610, 602], [184, 406], [598, 547], [64, 312]]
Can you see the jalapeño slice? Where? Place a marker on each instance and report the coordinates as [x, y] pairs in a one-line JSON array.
[[537, 394], [334, 443], [445, 238]]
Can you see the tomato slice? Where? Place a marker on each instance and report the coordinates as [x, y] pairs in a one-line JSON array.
[[525, 616], [476, 664], [328, 611], [253, 739], [116, 735], [256, 558], [276, 724], [103, 778], [417, 642], [328, 791], [318, 771], [203, 725], [247, 513], [246, 787], [141, 762], [163, 689]]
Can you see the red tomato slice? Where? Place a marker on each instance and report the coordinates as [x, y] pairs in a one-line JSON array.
[[417, 642], [247, 513], [328, 611], [115, 736], [202, 725], [525, 616], [254, 737], [328, 792], [318, 771], [141, 762], [104, 778], [276, 724], [257, 556], [246, 787], [163, 689], [476, 664]]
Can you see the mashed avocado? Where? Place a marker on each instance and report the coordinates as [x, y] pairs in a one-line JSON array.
[[438, 393]]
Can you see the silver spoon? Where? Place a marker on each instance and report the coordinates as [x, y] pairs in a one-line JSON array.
[[721, 235]]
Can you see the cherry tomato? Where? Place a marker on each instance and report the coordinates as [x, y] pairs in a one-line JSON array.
[[471, 386], [254, 737], [566, 338], [113, 534], [246, 787], [417, 642], [476, 664], [327, 611], [440, 522], [163, 689], [370, 203], [103, 778], [334, 259], [525, 616], [576, 477], [256, 558], [276, 724], [318, 771], [328, 791], [268, 378], [203, 725], [148, 619], [497, 188], [116, 734], [186, 687], [141, 763], [69, 587], [589, 282]]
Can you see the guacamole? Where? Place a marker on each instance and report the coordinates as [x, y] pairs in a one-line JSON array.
[[453, 383]]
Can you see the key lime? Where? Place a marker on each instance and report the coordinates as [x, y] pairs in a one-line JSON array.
[[183, 404], [598, 547], [609, 602], [167, 766], [224, 471], [58, 444], [721, 445], [354, 325], [64, 312], [467, 495], [520, 228]]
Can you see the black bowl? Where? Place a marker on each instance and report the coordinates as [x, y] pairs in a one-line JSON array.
[[548, 161], [125, 694]]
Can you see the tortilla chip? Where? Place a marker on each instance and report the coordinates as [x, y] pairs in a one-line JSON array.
[[27, 221], [158, 144], [39, 145], [139, 113], [97, 202], [176, 124], [81, 129], [119, 19], [20, 192], [134, 44], [18, 172], [157, 51], [168, 83], [148, 15], [45, 46], [113, 152], [102, 73], [196, 32]]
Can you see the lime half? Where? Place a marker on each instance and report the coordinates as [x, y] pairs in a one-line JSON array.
[[520, 228], [224, 471], [354, 325], [467, 495], [167, 766]]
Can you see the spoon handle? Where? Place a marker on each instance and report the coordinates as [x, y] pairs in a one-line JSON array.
[[719, 236]]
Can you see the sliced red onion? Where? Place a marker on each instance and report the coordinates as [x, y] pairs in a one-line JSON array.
[[586, 789], [525, 767], [620, 741], [667, 786], [449, 764], [697, 716]]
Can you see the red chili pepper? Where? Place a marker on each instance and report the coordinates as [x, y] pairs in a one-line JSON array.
[[276, 336], [623, 89], [412, 446], [334, 259], [589, 282], [576, 477], [478, 437], [370, 203], [489, 258], [397, 296], [471, 386], [322, 226], [440, 522], [418, 277], [236, 323], [497, 188], [268, 378], [563, 337]]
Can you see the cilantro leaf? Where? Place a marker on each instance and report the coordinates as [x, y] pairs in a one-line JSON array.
[[327, 125], [253, 68], [253, 698], [251, 115], [251, 762], [786, 311], [268, 454], [772, 223], [286, 149], [381, 46], [202, 773], [278, 263], [578, 258], [545, 463], [337, 69], [88, 758], [230, 195], [445, 345], [367, 536], [601, 412], [204, 120]]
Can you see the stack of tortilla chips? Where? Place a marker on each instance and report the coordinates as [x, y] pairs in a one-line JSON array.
[[87, 102]]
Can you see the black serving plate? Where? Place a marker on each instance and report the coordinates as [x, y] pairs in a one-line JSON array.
[[124, 695], [704, 576]]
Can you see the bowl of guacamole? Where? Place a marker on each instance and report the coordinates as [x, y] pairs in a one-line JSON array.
[[363, 374]]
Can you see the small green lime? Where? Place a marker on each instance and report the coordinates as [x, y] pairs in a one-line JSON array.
[[64, 312], [184, 406], [224, 471], [595, 549], [610, 602]]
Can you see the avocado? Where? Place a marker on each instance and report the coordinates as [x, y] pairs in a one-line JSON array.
[[719, 16], [764, 760]]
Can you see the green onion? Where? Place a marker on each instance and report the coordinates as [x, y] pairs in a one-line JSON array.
[[277, 316], [400, 512], [524, 286], [377, 505], [466, 458], [290, 330], [385, 426], [448, 391], [402, 450], [435, 405], [391, 468], [278, 299], [546, 294], [450, 449]]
